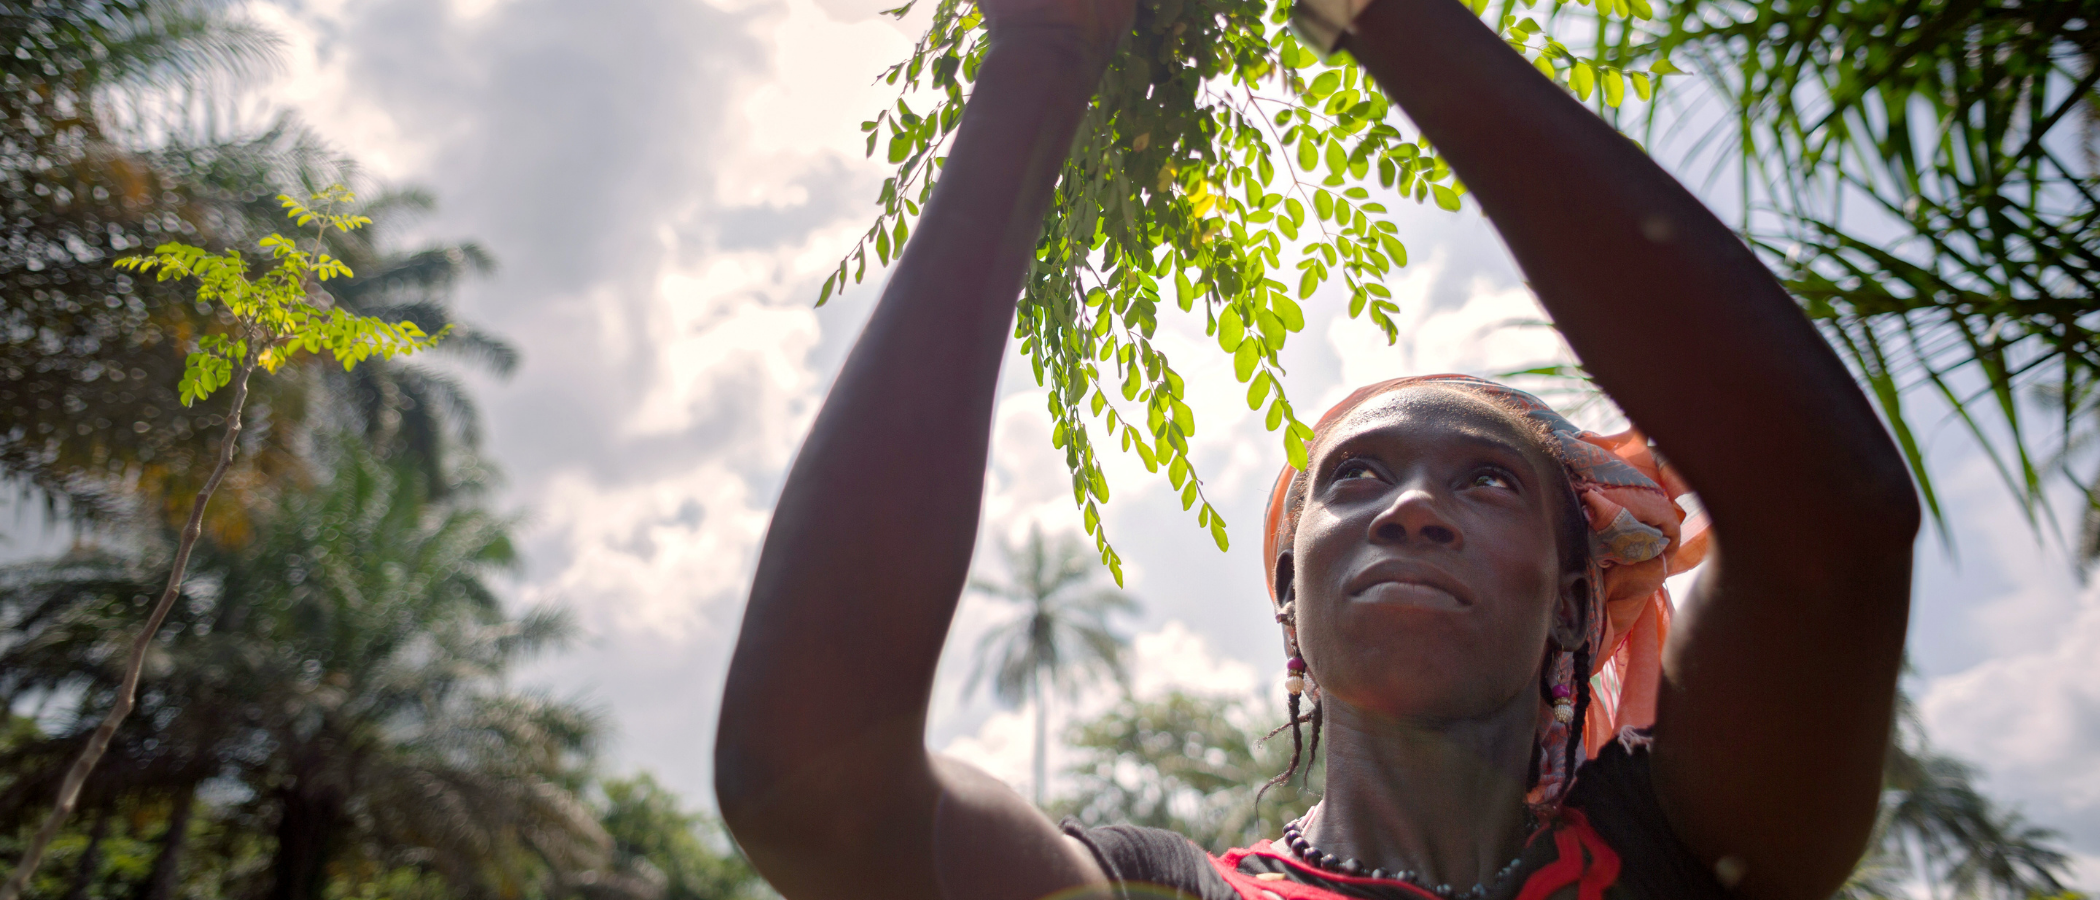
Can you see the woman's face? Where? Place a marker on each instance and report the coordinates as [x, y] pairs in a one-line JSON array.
[[1426, 565]]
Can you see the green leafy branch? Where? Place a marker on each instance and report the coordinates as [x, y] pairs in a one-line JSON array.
[[1215, 142], [272, 315], [273, 318]]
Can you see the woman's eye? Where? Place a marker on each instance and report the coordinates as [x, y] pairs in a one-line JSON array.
[[1491, 479], [1349, 470]]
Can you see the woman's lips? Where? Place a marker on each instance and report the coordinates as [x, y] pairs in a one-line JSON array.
[[1410, 593], [1407, 583]]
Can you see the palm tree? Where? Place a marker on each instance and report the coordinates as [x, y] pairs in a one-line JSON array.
[[1937, 829], [85, 351], [90, 357], [412, 409], [393, 735], [348, 666], [1060, 635]]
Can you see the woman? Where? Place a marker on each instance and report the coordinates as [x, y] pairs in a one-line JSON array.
[[1432, 565]]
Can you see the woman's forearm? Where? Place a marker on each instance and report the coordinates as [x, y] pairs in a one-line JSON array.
[[1674, 316], [869, 547]]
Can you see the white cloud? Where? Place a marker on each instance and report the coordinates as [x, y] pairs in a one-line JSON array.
[[1027, 483], [314, 82], [2030, 717], [1485, 332], [663, 558], [1493, 328], [716, 332], [1004, 747], [1175, 658]]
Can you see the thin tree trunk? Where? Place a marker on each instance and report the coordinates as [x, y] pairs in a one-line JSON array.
[[305, 835], [1042, 721], [127, 694], [167, 867], [90, 864]]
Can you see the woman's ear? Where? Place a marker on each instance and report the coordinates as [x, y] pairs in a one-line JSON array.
[[1571, 615], [1284, 577]]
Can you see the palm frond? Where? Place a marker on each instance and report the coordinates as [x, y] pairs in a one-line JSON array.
[[1902, 168], [1060, 634]]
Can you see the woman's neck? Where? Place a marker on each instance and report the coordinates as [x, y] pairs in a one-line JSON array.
[[1443, 799]]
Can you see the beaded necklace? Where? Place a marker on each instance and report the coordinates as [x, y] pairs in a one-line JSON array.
[[1294, 838]]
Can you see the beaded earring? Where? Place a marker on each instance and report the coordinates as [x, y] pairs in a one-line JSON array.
[[1294, 668], [1560, 675], [1297, 681]]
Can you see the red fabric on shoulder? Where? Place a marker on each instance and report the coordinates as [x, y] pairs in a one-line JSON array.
[[1582, 859]]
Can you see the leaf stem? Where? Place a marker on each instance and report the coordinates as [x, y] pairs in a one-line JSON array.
[[76, 776]]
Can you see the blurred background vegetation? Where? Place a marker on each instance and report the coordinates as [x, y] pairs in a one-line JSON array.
[[330, 713]]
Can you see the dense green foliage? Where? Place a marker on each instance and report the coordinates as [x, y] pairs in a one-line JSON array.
[[682, 855], [1191, 764], [1216, 148], [346, 668], [1920, 174]]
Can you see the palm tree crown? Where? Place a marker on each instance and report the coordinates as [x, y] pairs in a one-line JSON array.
[[348, 669], [1059, 639], [1939, 832]]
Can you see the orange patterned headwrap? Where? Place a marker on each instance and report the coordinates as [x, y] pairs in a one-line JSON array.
[[1638, 537]]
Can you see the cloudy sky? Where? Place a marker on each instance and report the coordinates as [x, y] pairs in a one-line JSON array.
[[665, 181]]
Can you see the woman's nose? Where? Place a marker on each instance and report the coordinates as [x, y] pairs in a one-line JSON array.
[[1414, 515]]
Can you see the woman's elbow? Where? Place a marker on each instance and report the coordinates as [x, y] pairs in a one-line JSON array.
[[737, 779], [1885, 508]]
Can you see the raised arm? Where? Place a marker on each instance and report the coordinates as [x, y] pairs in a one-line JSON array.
[[820, 761], [1780, 675]]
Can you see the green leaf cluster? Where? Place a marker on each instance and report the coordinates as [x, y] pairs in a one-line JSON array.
[[1222, 169], [272, 313]]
